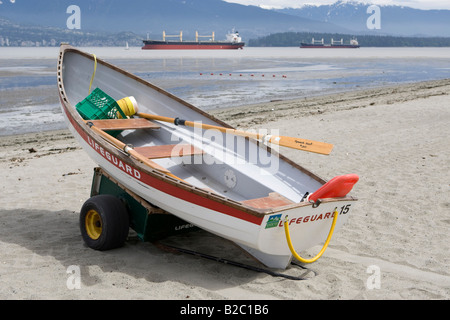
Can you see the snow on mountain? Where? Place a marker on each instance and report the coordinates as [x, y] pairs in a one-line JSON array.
[[394, 20]]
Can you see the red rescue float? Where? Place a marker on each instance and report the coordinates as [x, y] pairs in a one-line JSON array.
[[337, 187]]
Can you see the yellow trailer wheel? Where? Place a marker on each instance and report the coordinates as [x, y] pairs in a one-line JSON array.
[[104, 222], [93, 224]]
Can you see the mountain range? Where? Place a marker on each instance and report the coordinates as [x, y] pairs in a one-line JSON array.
[[394, 20], [152, 17]]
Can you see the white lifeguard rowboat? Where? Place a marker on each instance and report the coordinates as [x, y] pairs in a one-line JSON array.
[[227, 183]]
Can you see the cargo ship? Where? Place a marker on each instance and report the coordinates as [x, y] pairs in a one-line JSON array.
[[334, 44], [233, 41]]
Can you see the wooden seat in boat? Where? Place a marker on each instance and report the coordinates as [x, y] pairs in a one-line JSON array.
[[168, 151], [124, 124], [274, 200]]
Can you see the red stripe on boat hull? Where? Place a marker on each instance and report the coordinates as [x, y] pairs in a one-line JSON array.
[[192, 46]]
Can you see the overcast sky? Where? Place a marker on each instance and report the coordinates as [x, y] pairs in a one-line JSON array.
[[420, 4]]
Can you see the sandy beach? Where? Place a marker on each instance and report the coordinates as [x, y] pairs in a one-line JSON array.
[[394, 246]]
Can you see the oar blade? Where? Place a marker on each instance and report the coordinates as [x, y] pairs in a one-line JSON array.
[[303, 144]]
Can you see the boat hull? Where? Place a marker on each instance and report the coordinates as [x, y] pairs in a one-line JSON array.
[[259, 231], [186, 45], [323, 46]]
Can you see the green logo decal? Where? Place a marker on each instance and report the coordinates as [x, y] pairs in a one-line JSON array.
[[273, 221]]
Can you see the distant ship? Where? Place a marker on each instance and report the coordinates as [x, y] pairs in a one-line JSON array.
[[233, 41], [334, 44]]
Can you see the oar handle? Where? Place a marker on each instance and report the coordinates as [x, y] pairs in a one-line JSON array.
[[155, 117]]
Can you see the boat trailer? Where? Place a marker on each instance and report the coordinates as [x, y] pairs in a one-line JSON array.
[[150, 223]]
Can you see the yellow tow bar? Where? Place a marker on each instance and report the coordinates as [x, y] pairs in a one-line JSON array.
[[291, 247]]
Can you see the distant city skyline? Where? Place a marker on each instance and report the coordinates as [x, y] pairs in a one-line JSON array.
[[278, 4]]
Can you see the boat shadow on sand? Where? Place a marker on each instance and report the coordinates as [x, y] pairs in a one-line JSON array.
[[44, 236]]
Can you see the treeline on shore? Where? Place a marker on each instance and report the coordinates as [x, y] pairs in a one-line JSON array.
[[293, 39]]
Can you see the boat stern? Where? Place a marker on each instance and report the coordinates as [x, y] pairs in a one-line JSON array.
[[309, 226]]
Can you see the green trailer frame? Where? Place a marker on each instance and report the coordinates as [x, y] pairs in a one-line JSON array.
[[149, 222]]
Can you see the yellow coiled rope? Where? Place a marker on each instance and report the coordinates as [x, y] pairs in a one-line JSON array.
[[93, 75], [291, 247]]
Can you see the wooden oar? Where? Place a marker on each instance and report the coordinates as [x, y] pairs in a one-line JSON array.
[[120, 145], [290, 142]]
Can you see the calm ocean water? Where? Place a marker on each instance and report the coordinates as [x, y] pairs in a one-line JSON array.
[[213, 79]]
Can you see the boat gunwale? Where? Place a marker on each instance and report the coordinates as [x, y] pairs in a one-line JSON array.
[[71, 111]]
